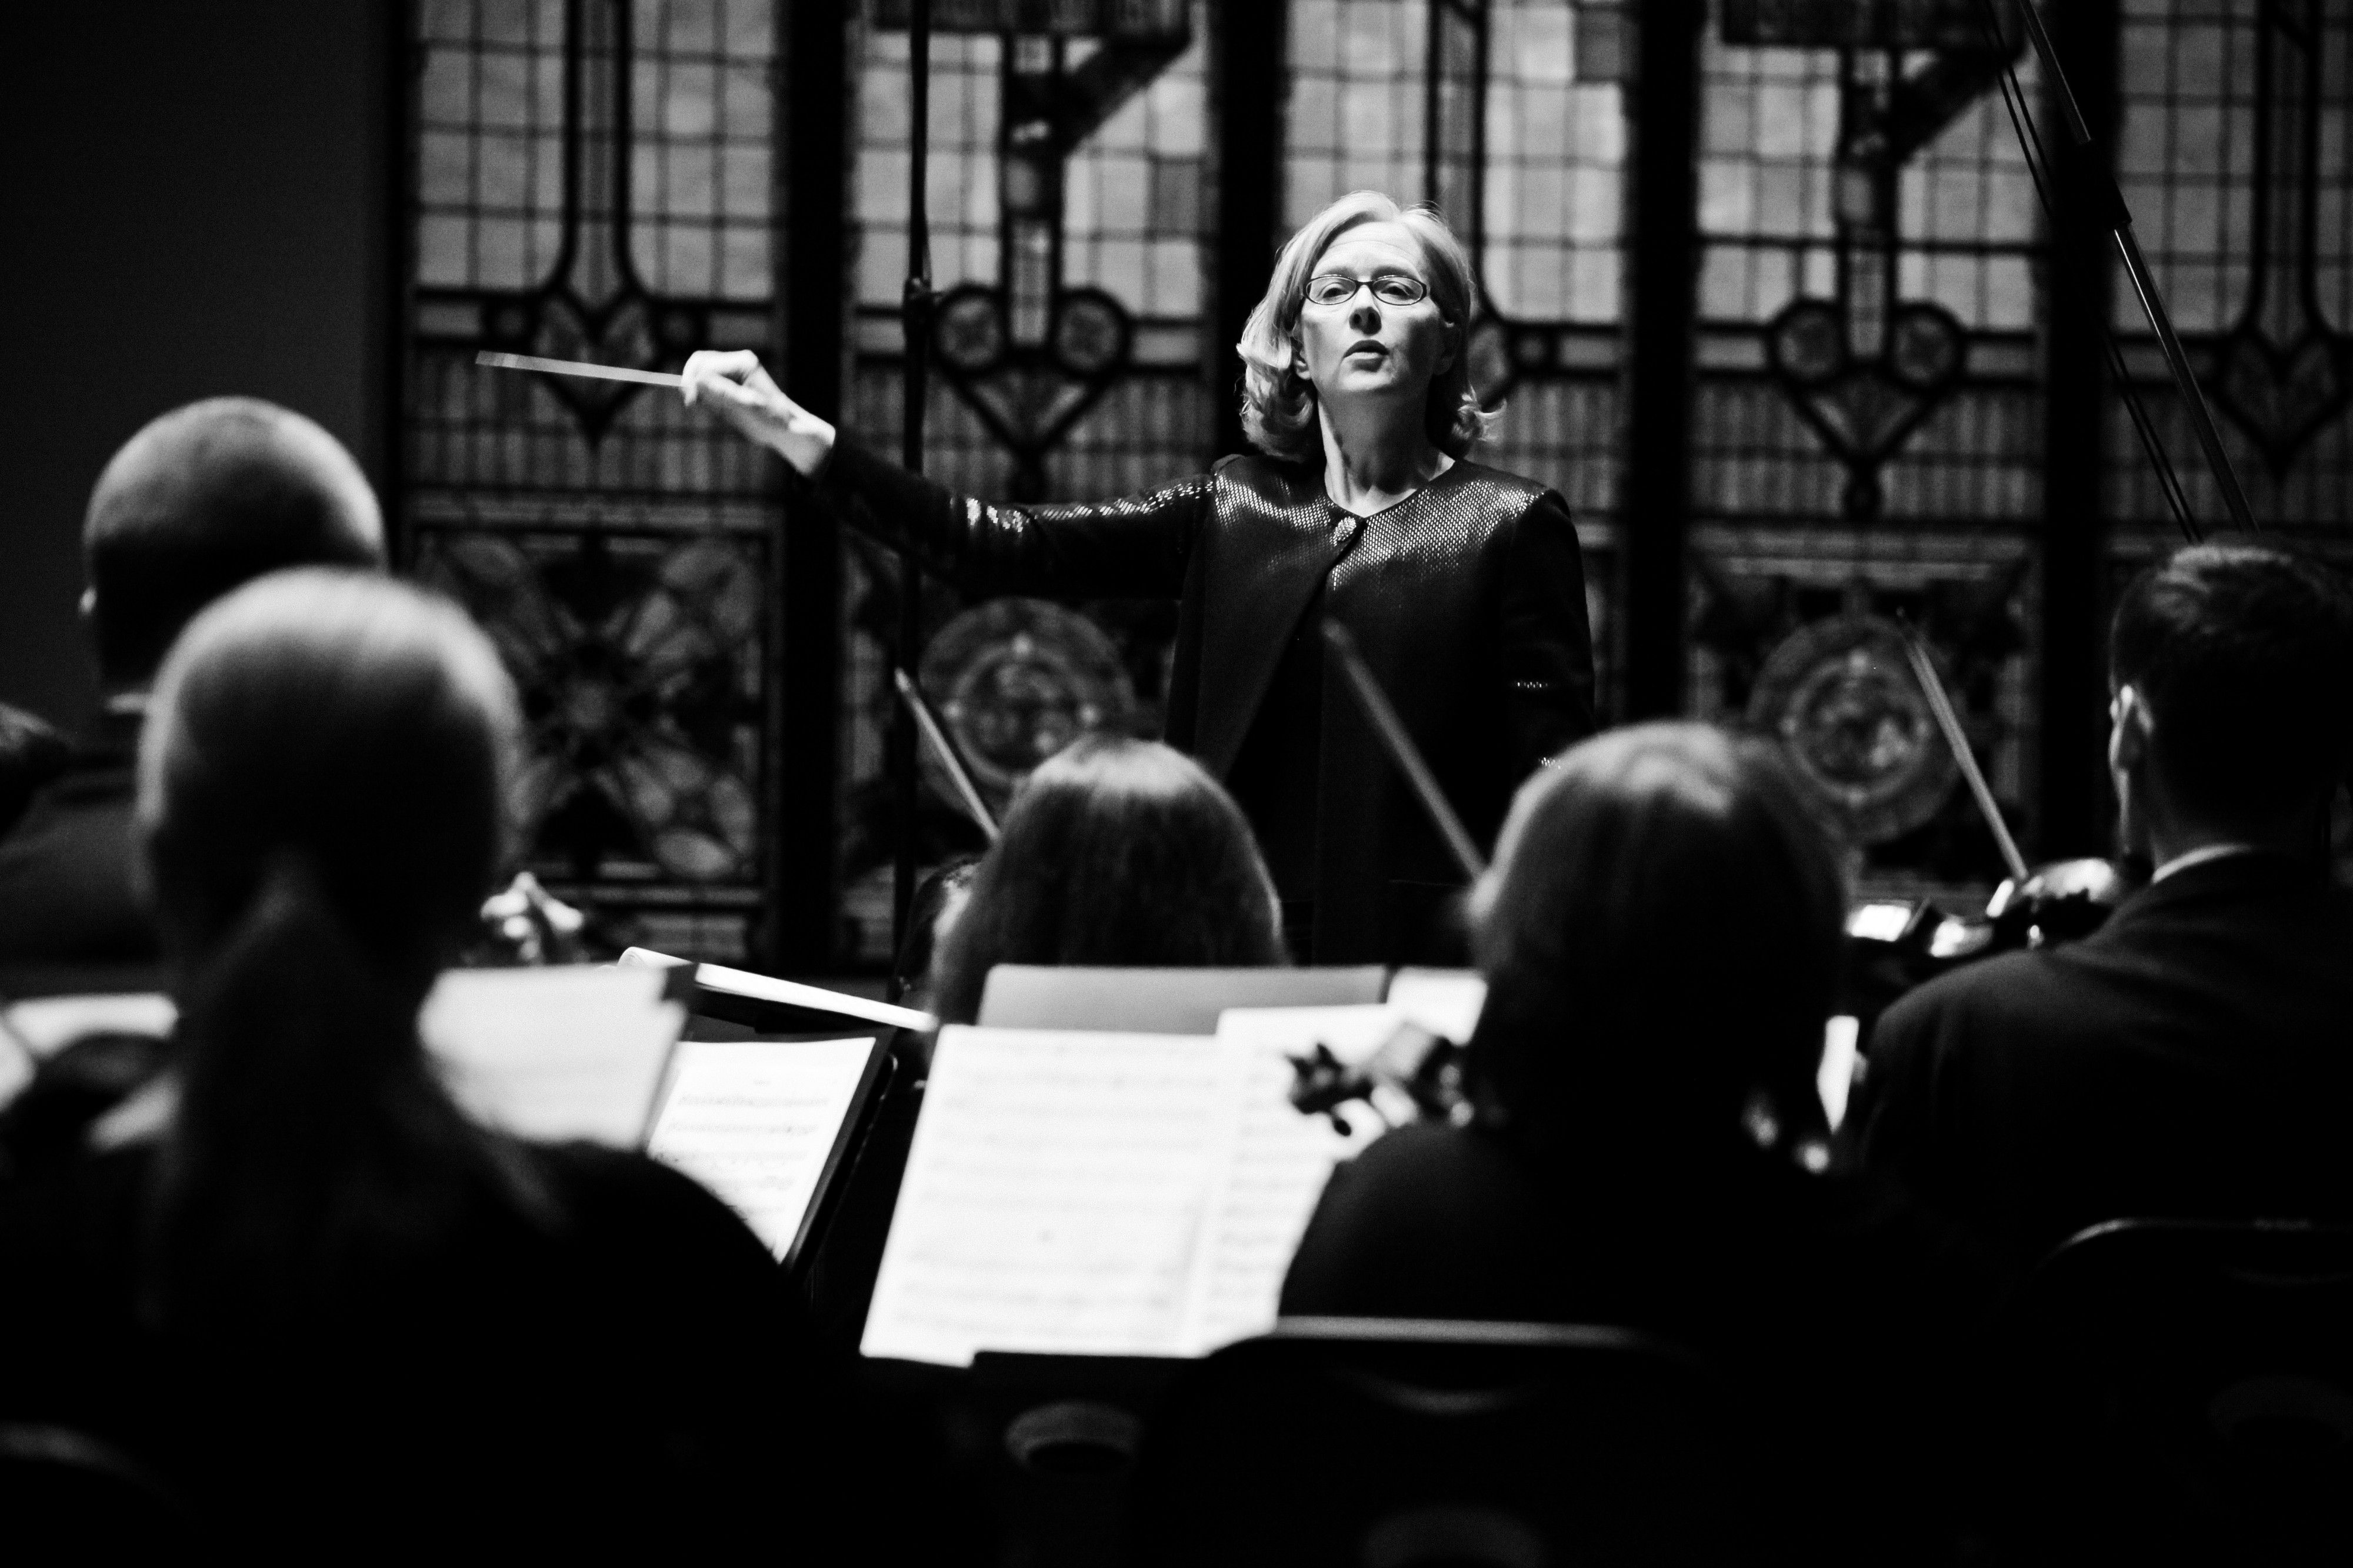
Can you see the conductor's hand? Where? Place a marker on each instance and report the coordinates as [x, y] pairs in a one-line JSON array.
[[733, 383]]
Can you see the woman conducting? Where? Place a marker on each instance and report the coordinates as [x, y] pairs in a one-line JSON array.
[[1462, 584]]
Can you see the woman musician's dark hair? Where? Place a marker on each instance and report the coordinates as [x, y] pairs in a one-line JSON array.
[[322, 785], [1660, 935], [1116, 852]]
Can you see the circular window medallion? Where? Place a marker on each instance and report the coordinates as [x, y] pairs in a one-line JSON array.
[[1091, 333], [1840, 696], [1017, 680], [968, 330]]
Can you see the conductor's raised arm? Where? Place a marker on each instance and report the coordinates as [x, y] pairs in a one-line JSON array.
[[735, 385], [1463, 585], [1135, 546]]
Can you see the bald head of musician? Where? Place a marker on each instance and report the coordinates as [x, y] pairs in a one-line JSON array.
[[198, 502], [201, 500]]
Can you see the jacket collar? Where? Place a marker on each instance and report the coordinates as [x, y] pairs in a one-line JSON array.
[[2230, 878], [1275, 550]]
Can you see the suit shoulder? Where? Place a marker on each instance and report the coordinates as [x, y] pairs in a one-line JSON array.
[[2014, 996]]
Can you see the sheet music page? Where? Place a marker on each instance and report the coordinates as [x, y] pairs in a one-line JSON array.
[[47, 1025], [1274, 1163], [1446, 1002], [753, 1121], [573, 1052], [1053, 1195], [33, 1031], [16, 1066]]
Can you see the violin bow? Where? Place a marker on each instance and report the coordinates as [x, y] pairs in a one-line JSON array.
[[1399, 744], [943, 748], [1940, 704], [2097, 187]]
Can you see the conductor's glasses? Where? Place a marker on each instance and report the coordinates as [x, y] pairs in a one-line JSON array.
[[1330, 289]]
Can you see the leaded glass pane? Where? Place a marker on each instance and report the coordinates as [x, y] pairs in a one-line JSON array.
[[593, 182], [2232, 153]]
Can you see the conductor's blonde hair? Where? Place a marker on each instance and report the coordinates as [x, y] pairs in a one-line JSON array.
[[1278, 409]]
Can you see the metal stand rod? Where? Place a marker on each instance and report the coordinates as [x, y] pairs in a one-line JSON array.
[[915, 321], [2117, 218]]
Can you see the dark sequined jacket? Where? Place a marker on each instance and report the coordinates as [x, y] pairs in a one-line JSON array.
[[1467, 598]]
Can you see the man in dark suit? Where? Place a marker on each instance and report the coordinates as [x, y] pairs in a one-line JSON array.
[[2195, 1057], [201, 500]]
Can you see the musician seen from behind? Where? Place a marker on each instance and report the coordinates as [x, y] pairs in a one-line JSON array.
[[1642, 1145], [201, 500], [294, 1275], [2194, 1058], [1462, 585]]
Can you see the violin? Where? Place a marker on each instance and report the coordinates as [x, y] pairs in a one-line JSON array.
[[1894, 946], [2065, 901], [1417, 1074], [525, 924]]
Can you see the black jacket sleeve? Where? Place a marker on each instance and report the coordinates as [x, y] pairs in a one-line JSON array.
[[1548, 643], [1135, 547]]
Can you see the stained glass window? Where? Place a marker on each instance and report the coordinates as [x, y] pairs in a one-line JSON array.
[[593, 182], [597, 178], [1355, 117], [1068, 197], [2232, 154], [1867, 421], [1511, 97]]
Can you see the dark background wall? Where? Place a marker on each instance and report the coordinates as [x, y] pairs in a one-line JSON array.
[[196, 203]]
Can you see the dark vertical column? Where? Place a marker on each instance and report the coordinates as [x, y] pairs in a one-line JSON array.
[[805, 674], [1663, 272], [2074, 807], [1251, 81], [392, 79], [1433, 117]]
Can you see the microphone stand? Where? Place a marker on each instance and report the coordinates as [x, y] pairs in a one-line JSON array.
[[2098, 188], [915, 323]]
